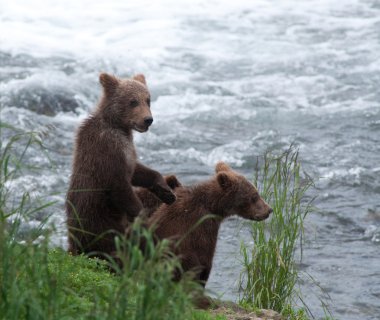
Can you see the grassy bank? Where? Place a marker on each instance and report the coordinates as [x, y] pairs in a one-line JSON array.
[[50, 284], [67, 287]]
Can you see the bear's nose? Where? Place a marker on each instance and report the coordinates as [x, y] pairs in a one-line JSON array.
[[270, 210], [148, 121]]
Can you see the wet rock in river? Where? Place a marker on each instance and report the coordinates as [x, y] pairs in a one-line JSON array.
[[43, 101]]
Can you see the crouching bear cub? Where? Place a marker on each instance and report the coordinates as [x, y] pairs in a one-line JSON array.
[[101, 199], [225, 194]]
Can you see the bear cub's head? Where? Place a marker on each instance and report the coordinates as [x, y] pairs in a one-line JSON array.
[[126, 102], [243, 198]]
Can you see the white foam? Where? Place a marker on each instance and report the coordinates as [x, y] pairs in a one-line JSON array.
[[354, 173], [373, 232], [271, 40]]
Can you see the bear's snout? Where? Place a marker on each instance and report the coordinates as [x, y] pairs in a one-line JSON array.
[[267, 214], [148, 121], [270, 210], [261, 211]]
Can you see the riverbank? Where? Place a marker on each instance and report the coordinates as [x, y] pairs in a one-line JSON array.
[[87, 274], [52, 284]]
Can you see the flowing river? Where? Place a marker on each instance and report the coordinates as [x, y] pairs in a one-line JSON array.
[[229, 80]]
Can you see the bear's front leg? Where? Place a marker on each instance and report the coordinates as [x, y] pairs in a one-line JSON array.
[[126, 201], [154, 181]]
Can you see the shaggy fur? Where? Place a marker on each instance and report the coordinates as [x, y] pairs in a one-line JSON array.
[[224, 195]]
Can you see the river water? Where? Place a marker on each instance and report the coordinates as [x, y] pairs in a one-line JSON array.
[[229, 80]]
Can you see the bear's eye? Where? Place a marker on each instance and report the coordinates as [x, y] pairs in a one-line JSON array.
[[134, 103], [244, 205], [255, 198], [148, 102]]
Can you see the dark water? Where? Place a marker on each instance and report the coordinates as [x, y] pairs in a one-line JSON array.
[[229, 81]]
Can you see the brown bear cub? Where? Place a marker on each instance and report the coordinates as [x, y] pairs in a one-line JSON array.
[[225, 194], [101, 200]]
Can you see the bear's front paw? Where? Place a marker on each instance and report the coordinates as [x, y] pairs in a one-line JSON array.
[[164, 193]]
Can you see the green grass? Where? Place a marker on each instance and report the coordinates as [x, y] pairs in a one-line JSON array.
[[269, 279], [51, 284]]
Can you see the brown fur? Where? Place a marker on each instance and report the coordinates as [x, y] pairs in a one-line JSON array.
[[100, 198], [224, 195], [149, 200]]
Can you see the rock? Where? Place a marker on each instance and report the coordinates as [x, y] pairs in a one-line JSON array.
[[44, 101], [233, 311]]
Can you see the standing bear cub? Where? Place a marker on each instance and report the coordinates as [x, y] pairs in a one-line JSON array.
[[101, 200], [194, 235]]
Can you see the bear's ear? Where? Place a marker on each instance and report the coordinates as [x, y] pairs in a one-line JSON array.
[[222, 166], [224, 180], [140, 78], [109, 83]]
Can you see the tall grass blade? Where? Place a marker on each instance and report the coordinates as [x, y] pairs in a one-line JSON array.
[[269, 277]]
